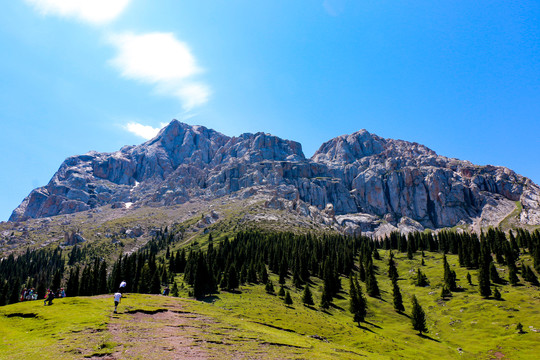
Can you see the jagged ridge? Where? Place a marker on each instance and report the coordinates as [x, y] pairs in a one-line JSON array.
[[355, 174]]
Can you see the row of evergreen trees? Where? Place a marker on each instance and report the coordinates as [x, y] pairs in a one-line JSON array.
[[246, 258]]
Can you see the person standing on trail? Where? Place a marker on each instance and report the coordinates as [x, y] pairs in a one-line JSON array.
[[122, 287], [117, 298]]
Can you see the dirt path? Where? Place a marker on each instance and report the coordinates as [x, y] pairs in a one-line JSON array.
[[162, 334], [174, 333]]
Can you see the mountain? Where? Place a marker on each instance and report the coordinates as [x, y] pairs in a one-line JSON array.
[[353, 182]]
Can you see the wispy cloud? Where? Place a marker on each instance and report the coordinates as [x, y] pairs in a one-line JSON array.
[[145, 131], [92, 11], [161, 59]]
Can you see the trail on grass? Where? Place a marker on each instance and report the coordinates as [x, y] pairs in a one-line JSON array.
[[163, 334]]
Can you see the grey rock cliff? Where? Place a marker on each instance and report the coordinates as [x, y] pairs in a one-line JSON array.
[[361, 175]]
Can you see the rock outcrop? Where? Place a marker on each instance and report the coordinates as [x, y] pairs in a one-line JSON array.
[[360, 178]]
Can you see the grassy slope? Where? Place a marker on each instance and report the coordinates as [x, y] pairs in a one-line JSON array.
[[260, 325]]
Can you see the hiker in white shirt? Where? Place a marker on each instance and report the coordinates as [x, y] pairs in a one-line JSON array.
[[122, 287], [117, 297]]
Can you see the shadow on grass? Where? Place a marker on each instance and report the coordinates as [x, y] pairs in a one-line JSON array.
[[210, 299], [310, 307], [337, 307], [404, 314], [372, 324], [366, 328], [424, 336]]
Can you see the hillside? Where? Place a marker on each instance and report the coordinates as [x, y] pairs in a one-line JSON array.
[[253, 324]]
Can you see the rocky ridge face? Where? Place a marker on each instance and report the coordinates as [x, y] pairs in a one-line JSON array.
[[359, 181]]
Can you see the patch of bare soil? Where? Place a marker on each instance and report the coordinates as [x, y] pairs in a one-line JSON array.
[[167, 334]]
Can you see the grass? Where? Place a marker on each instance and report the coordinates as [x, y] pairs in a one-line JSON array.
[[259, 325], [510, 221]]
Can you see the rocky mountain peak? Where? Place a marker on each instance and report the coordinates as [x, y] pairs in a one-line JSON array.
[[349, 148], [359, 176]]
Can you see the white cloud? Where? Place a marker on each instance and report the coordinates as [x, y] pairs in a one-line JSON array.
[[93, 11], [193, 95], [162, 60], [145, 131]]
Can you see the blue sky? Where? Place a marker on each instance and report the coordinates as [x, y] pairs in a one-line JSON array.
[[461, 77]]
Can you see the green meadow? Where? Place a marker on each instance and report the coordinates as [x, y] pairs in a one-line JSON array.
[[256, 325]]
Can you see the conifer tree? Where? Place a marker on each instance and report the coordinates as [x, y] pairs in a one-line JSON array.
[[372, 287], [155, 284], [288, 299], [445, 292], [493, 274], [281, 292], [421, 279], [263, 274], [483, 270], [307, 297], [409, 250], [232, 278], [469, 279], [362, 272], [512, 276], [326, 298], [392, 270], [529, 275], [174, 289], [418, 317], [398, 299], [357, 302], [269, 287], [145, 280], [483, 281], [496, 294], [449, 276]]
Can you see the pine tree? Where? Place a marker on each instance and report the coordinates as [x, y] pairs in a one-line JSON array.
[[398, 300], [449, 276], [326, 298], [307, 297], [530, 276], [281, 292], [269, 287], [362, 272], [155, 284], [392, 271], [372, 287], [418, 317], [232, 278], [445, 292], [357, 302], [496, 294], [145, 281], [288, 299], [483, 282], [421, 279], [493, 274], [174, 290], [512, 276], [263, 274]]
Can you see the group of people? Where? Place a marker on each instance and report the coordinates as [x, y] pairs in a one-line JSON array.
[[28, 294], [31, 294]]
